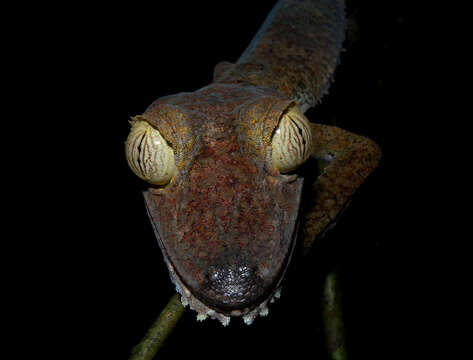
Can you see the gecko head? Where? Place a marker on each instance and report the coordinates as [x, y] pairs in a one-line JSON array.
[[224, 212]]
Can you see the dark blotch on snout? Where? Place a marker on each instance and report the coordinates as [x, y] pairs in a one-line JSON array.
[[232, 286]]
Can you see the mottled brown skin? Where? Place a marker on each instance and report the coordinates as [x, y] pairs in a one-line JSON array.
[[350, 160], [227, 222], [295, 51]]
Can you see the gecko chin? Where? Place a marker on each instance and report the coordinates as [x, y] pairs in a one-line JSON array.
[[233, 288]]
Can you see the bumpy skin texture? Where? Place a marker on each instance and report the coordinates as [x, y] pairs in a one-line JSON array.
[[227, 222], [295, 51], [350, 160]]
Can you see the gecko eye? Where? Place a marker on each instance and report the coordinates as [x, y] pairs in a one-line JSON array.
[[149, 155], [292, 141]]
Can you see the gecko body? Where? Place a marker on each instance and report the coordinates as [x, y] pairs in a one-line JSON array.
[[225, 209]]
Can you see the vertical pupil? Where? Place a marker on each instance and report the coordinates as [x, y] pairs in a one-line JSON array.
[[139, 153], [300, 132], [297, 126]]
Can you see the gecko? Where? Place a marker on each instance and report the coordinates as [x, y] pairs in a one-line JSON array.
[[222, 164]]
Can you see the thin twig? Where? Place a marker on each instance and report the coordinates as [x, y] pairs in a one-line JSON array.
[[159, 331], [333, 317]]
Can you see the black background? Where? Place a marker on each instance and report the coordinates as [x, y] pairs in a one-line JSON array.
[[105, 280]]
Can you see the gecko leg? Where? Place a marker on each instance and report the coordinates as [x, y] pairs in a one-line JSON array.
[[350, 159]]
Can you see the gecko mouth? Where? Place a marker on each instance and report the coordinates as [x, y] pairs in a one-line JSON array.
[[229, 291]]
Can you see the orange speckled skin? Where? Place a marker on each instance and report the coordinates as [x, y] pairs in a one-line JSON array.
[[351, 158], [295, 51], [227, 222]]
